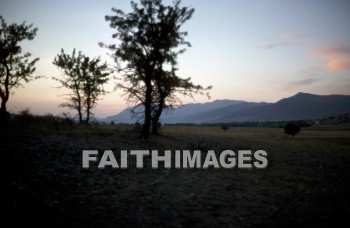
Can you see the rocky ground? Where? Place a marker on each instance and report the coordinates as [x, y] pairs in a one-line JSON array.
[[46, 185]]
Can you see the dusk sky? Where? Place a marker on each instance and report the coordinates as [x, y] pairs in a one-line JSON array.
[[253, 50]]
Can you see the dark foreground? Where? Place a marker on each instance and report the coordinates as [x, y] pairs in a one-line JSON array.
[[307, 181]]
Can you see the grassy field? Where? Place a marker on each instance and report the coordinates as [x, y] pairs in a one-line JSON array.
[[306, 182]]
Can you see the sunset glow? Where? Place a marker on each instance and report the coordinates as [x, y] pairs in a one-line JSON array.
[[256, 50]]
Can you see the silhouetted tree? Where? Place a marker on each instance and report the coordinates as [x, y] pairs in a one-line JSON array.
[[224, 128], [291, 129], [15, 67], [85, 78], [150, 39]]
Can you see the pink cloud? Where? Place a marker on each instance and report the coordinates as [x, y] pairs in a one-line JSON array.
[[298, 84], [312, 71], [336, 58]]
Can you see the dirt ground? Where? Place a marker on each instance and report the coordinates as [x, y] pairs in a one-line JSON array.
[[307, 180]]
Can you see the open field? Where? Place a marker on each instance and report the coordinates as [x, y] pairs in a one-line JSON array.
[[306, 182], [330, 134]]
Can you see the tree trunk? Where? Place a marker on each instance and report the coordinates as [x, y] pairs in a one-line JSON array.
[[87, 118], [3, 104], [79, 105], [88, 108], [5, 95], [148, 107], [88, 105], [155, 119], [3, 110], [80, 115]]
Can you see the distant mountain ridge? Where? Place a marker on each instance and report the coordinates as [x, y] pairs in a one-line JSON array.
[[297, 107]]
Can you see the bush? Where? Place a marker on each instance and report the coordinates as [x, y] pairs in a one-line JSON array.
[[4, 117], [291, 129], [25, 116], [67, 120], [49, 119], [224, 128]]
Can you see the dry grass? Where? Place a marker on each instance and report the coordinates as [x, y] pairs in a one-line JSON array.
[[306, 181]]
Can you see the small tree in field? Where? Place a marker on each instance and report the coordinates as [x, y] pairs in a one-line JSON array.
[[224, 128], [85, 78], [291, 129], [15, 67]]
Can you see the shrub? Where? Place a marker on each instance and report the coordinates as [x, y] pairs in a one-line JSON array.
[[67, 119], [291, 129], [224, 128], [25, 116], [49, 119]]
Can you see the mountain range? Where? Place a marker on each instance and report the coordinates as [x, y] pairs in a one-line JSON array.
[[302, 106]]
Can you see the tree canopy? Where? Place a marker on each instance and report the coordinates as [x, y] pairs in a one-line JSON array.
[[16, 68], [146, 56], [84, 77], [291, 129]]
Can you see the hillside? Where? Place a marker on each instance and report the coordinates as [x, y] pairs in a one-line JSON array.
[[297, 107]]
